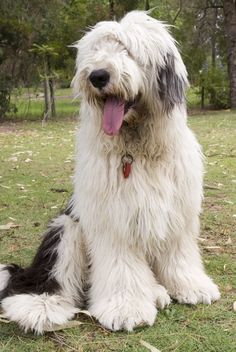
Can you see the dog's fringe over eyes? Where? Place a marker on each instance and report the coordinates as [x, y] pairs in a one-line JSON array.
[[127, 242]]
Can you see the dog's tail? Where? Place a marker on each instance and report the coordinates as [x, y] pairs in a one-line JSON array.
[[7, 272], [37, 278]]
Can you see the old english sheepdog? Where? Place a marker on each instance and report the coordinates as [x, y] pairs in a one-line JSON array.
[[127, 242]]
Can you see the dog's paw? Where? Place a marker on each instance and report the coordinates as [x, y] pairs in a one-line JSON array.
[[162, 297], [38, 312], [201, 292], [118, 313]]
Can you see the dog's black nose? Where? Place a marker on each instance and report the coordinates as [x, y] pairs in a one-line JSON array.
[[99, 78]]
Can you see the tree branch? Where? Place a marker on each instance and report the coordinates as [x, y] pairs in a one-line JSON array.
[[178, 12]]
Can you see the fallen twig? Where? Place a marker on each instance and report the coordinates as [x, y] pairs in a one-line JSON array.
[[148, 346], [211, 187]]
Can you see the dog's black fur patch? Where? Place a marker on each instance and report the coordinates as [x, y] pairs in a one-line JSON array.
[[68, 210], [37, 277], [171, 86]]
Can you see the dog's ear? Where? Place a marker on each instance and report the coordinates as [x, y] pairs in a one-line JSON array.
[[171, 86]]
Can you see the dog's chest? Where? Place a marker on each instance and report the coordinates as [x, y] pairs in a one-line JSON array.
[[140, 206]]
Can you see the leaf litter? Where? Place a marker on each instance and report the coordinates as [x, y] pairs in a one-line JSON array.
[[8, 226]]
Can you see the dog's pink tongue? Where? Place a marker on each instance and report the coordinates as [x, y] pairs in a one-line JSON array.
[[113, 115]]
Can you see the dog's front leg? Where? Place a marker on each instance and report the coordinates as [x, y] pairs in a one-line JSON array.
[[123, 291], [50, 290], [179, 268]]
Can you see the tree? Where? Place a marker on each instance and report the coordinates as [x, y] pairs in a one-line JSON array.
[[230, 28], [147, 5], [22, 23], [200, 26], [14, 59], [112, 10], [226, 10], [47, 53]]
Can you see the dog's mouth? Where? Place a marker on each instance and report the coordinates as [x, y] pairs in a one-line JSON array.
[[114, 111]]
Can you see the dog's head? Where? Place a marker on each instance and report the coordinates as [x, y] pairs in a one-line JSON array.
[[122, 65]]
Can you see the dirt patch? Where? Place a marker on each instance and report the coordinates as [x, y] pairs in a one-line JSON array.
[[16, 129], [8, 127]]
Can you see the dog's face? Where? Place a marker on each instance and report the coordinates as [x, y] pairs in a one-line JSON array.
[[120, 65], [110, 79]]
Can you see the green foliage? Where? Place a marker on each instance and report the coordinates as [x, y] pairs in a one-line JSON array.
[[6, 87], [13, 38], [215, 82], [44, 50], [32, 29]]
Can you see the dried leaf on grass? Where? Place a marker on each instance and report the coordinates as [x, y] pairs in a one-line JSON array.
[[69, 325], [212, 248], [3, 186], [58, 190], [8, 226], [202, 239], [229, 241], [14, 159], [148, 346], [211, 187]]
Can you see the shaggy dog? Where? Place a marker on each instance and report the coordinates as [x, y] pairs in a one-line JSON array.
[[127, 243]]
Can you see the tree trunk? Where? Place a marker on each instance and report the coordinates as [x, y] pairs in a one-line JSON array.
[[52, 97], [147, 5], [112, 9], [202, 98], [47, 95], [230, 29], [213, 54], [213, 37], [51, 87], [47, 100]]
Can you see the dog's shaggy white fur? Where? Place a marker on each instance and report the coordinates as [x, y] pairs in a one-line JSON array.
[[132, 240]]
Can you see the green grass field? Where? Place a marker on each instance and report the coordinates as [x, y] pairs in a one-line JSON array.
[[37, 164], [30, 104]]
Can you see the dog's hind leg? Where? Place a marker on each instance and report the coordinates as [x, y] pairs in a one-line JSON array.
[[49, 291]]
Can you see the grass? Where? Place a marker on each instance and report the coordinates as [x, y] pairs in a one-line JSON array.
[[37, 163], [30, 104]]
